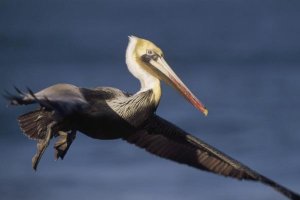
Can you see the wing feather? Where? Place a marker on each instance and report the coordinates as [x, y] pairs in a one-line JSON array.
[[166, 140]]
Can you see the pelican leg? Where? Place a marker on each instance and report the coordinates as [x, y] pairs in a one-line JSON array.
[[63, 143], [42, 145]]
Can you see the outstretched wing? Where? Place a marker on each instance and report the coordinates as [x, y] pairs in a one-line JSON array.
[[63, 98], [164, 139]]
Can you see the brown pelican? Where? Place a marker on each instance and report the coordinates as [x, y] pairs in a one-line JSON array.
[[109, 113]]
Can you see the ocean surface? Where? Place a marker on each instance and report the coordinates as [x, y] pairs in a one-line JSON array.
[[241, 58]]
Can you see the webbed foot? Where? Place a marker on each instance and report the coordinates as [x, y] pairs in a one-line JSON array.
[[63, 143]]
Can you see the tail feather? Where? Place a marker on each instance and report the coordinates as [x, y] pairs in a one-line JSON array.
[[19, 99], [34, 124]]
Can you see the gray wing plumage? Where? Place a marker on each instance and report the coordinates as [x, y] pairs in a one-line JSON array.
[[164, 139], [63, 98]]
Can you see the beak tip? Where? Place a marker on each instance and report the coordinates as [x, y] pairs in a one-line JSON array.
[[205, 112]]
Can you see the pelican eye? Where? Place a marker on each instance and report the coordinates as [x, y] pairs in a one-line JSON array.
[[150, 55], [149, 52]]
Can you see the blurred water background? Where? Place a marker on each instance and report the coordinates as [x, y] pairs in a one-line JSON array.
[[241, 58]]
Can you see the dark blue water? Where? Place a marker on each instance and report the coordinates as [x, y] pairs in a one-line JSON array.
[[241, 58]]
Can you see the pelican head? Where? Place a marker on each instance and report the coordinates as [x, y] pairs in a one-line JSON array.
[[146, 62]]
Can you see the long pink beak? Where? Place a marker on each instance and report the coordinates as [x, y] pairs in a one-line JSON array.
[[171, 78]]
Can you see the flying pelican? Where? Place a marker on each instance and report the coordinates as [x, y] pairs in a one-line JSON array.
[[109, 113]]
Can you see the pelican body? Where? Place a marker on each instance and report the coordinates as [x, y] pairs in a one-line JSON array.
[[109, 113]]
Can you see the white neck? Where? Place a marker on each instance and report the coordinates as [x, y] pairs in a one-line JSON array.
[[147, 80]]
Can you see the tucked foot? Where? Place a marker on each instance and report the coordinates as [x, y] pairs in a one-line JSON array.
[[63, 143]]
